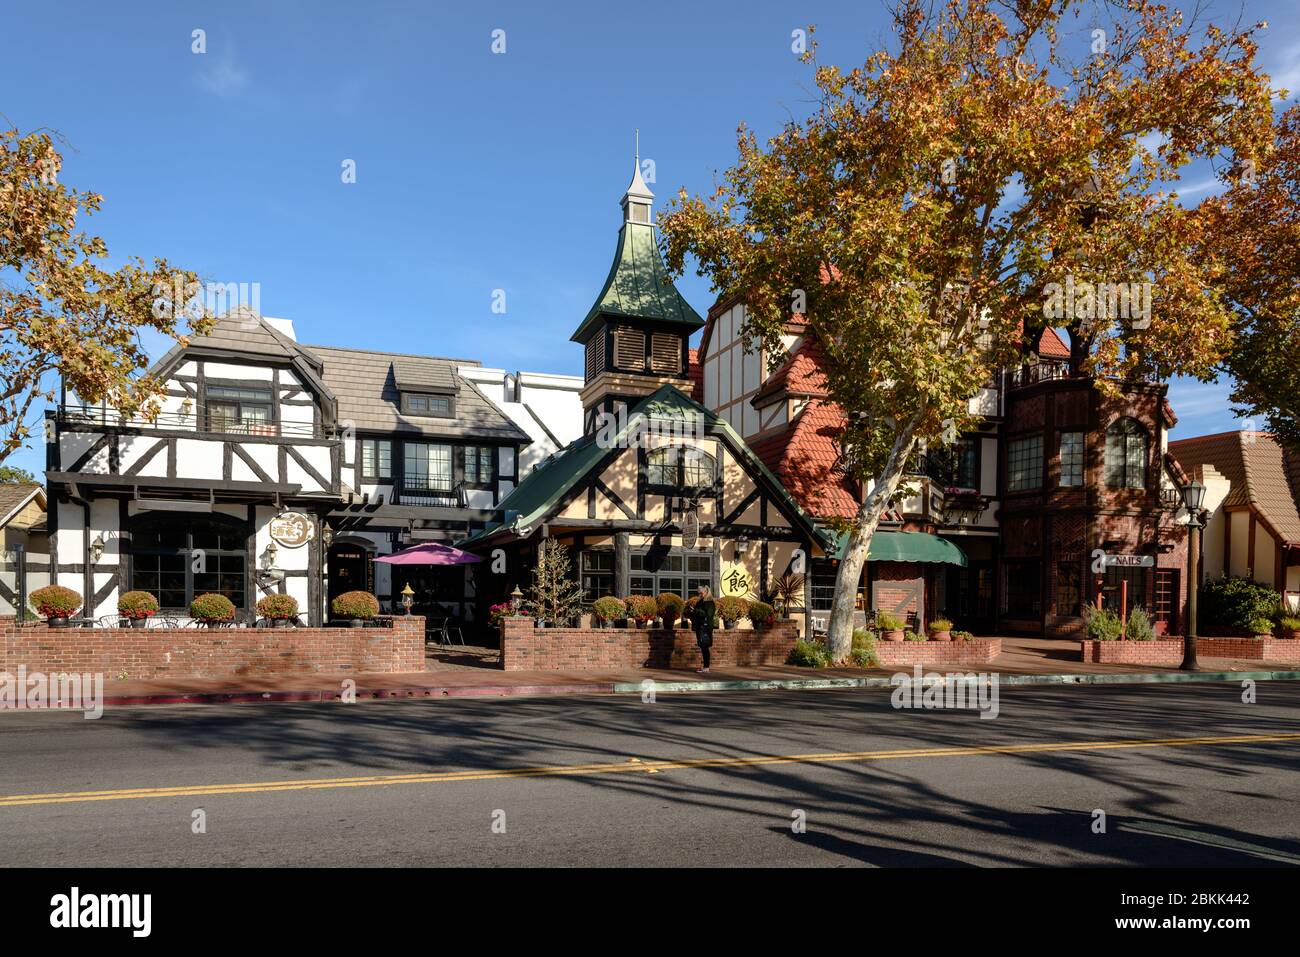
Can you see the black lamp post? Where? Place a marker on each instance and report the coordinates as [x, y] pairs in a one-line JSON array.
[[1193, 496]]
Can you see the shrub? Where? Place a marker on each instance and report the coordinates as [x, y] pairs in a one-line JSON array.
[[1290, 624], [355, 604], [609, 608], [137, 604], [670, 607], [642, 607], [1262, 625], [1139, 626], [731, 608], [888, 622], [787, 592], [940, 624], [1237, 602], [962, 636], [1102, 624], [761, 613], [278, 606], [212, 607], [505, 609], [809, 654], [911, 635], [864, 648], [55, 601]]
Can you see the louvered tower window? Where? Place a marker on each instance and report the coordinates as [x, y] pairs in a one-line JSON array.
[[629, 349], [595, 355], [665, 354]]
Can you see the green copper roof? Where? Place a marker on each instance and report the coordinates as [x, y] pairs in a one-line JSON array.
[[907, 547], [533, 499], [638, 287]]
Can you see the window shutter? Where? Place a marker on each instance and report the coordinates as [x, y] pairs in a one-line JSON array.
[[629, 349], [665, 354], [595, 355]]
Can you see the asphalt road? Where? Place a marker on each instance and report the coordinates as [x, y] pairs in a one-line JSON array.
[[709, 779]]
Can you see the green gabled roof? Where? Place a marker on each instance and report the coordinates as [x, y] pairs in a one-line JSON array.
[[546, 485], [638, 286]]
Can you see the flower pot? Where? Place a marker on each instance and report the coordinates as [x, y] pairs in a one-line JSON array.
[[893, 634], [941, 636], [729, 624], [61, 622], [280, 623], [1291, 635]]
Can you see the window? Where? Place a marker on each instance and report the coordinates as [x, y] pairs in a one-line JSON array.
[[427, 466], [822, 584], [1071, 458], [478, 464], [629, 349], [665, 354], [239, 410], [597, 574], [376, 459], [595, 355], [421, 404], [1126, 455], [699, 571], [175, 563], [648, 578], [966, 452], [1021, 582], [690, 468], [1113, 590], [1069, 589], [1025, 464]]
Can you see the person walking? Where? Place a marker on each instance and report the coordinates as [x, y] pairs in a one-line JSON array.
[[702, 622]]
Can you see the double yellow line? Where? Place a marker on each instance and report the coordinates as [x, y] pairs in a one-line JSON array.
[[632, 765]]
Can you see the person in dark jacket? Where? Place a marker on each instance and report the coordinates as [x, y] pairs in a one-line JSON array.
[[702, 622]]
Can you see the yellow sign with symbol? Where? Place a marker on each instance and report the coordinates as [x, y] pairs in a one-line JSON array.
[[736, 581]]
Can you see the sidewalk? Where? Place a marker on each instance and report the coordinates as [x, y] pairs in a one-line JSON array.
[[469, 672]]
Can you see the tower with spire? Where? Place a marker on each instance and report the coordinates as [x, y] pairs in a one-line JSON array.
[[635, 335]]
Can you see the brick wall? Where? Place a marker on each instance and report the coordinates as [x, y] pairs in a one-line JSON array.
[[893, 654], [527, 648], [1166, 651], [1268, 649], [145, 653]]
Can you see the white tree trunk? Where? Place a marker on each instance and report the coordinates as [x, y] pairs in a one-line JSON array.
[[839, 637]]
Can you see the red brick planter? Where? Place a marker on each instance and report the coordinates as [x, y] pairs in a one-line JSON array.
[[527, 648], [1161, 651], [1268, 649], [977, 651], [145, 653]]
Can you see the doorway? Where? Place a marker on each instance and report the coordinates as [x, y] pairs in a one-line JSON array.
[[351, 568]]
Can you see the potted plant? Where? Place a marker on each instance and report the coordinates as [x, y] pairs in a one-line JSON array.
[[279, 609], [608, 609], [355, 608], [910, 635], [731, 609], [670, 607], [642, 609], [554, 596], [1290, 627], [761, 614], [212, 609], [890, 626], [55, 604], [1261, 627], [787, 593], [941, 630], [137, 607]]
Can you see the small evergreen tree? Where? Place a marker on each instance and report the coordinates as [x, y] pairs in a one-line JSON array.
[[554, 596]]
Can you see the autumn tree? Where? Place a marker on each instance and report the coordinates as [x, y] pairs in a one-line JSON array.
[[63, 312], [1254, 226], [924, 212]]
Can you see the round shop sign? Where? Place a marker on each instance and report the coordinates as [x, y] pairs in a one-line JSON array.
[[292, 529], [735, 581]]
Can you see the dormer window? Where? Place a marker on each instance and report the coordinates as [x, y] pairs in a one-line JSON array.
[[638, 212], [423, 403]]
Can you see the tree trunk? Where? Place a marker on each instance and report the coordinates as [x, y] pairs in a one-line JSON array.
[[839, 636]]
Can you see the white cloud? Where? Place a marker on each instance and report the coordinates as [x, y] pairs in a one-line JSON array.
[[225, 77]]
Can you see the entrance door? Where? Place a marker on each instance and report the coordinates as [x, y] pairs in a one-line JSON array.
[[350, 570]]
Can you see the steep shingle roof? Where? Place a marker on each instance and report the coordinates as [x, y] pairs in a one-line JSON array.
[[1262, 474], [14, 495], [366, 387]]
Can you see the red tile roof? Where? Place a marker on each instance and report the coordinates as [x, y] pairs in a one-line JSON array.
[[799, 375], [1261, 472], [804, 457], [695, 372], [1052, 346]]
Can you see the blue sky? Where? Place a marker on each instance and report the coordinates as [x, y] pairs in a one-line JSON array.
[[475, 171]]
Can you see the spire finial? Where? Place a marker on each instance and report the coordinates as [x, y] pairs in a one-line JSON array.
[[638, 149]]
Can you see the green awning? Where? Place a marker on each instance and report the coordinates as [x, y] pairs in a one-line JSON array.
[[907, 547]]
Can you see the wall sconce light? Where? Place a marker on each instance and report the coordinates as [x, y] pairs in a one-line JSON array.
[[326, 535], [187, 406], [408, 598], [516, 597], [269, 556], [97, 548], [742, 547]]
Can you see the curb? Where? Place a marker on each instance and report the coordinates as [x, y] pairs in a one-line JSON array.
[[421, 691], [808, 684]]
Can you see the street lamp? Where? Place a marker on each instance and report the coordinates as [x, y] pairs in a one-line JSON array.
[[408, 597], [1193, 497], [516, 597]]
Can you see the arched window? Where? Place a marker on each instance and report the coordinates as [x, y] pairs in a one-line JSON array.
[[175, 561], [661, 467], [698, 468], [1126, 455], [679, 467]]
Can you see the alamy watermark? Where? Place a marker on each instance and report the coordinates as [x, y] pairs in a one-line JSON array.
[[37, 691], [1092, 301], [930, 691], [618, 430]]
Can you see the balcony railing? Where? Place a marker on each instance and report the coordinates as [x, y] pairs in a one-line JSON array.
[[431, 492], [1039, 372], [72, 417]]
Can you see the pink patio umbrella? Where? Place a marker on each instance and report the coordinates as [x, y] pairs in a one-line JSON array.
[[430, 553]]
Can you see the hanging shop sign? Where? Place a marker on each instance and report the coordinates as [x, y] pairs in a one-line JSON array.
[[292, 529]]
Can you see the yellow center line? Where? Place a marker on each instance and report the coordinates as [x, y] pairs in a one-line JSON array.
[[641, 765]]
